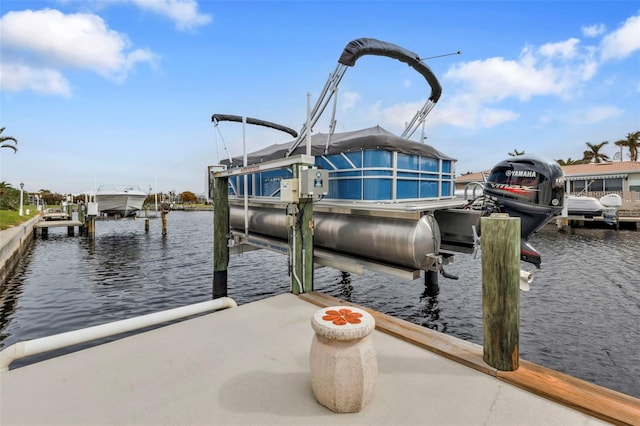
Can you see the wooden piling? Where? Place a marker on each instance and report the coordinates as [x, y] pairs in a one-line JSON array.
[[163, 216], [302, 249], [146, 225], [307, 243], [501, 290], [431, 279], [91, 227], [220, 233]]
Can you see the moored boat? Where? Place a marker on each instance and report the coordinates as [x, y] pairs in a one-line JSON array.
[[121, 200]]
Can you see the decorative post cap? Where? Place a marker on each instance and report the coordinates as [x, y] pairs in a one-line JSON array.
[[342, 323]]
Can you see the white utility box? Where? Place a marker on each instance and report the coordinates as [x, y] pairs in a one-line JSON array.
[[92, 209], [289, 191]]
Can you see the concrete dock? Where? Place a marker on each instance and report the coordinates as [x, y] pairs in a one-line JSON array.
[[250, 366]]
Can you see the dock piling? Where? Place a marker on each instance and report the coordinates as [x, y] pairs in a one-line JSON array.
[[220, 235], [501, 290]]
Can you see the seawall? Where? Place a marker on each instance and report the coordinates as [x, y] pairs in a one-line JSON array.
[[13, 242]]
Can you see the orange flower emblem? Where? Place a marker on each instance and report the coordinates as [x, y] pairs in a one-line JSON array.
[[342, 316]]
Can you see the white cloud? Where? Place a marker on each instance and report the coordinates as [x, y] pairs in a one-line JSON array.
[[622, 42], [491, 117], [562, 50], [184, 13], [593, 30], [49, 39], [597, 114], [348, 100], [45, 81]]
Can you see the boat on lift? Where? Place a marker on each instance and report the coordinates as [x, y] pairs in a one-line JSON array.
[[120, 200], [389, 200]]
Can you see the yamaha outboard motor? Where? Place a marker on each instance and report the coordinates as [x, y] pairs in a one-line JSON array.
[[528, 187]]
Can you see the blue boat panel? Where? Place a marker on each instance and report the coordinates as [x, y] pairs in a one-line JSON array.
[[345, 189], [375, 158], [428, 164], [407, 189], [428, 189], [365, 175], [378, 172], [377, 189], [270, 181], [408, 175], [323, 164], [408, 162], [355, 157], [341, 174], [339, 161], [446, 188], [429, 176]]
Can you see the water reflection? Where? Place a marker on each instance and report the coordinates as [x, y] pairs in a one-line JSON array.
[[346, 288]]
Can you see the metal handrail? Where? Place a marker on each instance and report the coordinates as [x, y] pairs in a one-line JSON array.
[[21, 350]]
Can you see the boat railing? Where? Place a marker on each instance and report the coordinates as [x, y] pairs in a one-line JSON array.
[[27, 348]]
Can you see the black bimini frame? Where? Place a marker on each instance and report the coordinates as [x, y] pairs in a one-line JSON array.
[[352, 52]]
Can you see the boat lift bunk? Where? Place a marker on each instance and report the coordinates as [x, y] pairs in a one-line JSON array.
[[390, 204]]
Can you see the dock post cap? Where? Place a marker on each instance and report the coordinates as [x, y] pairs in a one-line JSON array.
[[343, 323]]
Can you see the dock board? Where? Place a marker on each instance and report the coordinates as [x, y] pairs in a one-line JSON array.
[[57, 223]]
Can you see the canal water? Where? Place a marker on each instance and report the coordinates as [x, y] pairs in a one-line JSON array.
[[581, 316]]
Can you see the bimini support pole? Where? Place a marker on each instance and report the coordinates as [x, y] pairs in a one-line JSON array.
[[245, 177]]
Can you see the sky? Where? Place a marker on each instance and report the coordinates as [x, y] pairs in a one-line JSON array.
[[122, 91]]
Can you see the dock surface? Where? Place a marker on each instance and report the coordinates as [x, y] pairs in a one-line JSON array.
[[250, 366]]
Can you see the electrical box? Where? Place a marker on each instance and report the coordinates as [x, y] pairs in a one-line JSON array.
[[314, 183], [289, 191]]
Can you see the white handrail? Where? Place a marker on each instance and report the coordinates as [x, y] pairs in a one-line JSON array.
[[57, 341]]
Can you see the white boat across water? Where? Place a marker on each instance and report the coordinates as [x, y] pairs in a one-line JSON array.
[[122, 200], [607, 206]]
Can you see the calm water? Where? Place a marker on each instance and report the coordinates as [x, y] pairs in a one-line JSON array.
[[581, 317]]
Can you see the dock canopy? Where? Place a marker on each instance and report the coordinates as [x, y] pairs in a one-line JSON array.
[[358, 140]]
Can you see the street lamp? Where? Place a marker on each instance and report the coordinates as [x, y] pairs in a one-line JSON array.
[[21, 186]]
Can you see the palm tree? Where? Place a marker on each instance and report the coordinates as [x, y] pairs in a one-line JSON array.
[[632, 142], [569, 161], [4, 139], [593, 155], [515, 153]]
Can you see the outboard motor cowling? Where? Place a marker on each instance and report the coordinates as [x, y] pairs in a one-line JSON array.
[[528, 187]]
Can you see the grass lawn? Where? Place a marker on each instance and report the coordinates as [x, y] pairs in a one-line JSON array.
[[9, 218]]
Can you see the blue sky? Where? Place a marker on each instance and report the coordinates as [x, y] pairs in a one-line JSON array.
[[122, 91]]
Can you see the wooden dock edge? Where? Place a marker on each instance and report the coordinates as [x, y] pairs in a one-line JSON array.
[[597, 401]]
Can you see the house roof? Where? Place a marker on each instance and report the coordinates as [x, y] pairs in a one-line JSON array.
[[470, 177], [618, 168]]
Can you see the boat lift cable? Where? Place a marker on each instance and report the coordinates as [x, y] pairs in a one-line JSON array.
[[351, 53], [418, 120]]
